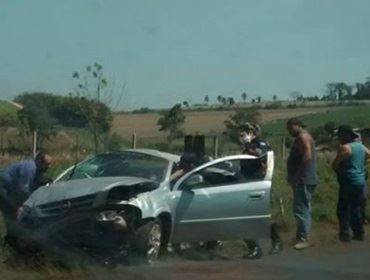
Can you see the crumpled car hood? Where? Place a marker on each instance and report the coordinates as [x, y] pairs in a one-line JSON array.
[[77, 188]]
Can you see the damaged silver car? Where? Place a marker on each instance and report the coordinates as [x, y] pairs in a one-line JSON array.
[[125, 204]]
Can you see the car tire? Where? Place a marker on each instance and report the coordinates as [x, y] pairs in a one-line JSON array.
[[148, 242]]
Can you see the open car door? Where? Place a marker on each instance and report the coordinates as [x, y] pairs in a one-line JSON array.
[[228, 198]]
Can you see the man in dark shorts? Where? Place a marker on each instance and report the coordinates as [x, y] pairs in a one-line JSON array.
[[256, 146], [302, 178], [349, 166]]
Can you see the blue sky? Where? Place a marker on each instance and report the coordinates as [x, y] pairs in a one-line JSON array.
[[167, 51]]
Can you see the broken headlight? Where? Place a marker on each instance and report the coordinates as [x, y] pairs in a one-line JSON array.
[[107, 216], [114, 218]]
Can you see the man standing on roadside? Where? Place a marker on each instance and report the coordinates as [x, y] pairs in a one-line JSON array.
[[302, 177], [349, 165], [17, 182]]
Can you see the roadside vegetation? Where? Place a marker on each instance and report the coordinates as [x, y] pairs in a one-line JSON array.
[[324, 199], [74, 126]]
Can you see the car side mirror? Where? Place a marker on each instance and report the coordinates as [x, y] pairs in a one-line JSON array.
[[193, 180]]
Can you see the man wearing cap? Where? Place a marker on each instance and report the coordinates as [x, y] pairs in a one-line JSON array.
[[349, 166], [17, 182], [253, 145], [302, 177]]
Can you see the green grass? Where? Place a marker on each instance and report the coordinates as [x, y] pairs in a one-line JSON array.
[[358, 116], [325, 197], [4, 105]]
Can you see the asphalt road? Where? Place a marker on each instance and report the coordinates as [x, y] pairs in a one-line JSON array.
[[341, 261]]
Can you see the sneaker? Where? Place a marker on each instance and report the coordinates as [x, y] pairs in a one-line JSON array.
[[276, 248], [345, 238], [302, 244], [254, 253]]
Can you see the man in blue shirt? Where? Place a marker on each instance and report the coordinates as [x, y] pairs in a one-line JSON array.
[[349, 165], [17, 182]]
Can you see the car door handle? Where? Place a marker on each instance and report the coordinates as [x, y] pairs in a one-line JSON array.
[[257, 195]]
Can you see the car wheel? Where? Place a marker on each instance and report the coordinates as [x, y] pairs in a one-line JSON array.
[[148, 241]]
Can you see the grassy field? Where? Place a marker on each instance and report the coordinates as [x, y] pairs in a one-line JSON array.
[[146, 129], [358, 116], [5, 105], [145, 125]]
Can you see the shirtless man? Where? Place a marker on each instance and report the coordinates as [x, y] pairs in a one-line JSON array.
[[302, 178]]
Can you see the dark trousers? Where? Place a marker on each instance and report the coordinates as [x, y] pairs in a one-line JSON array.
[[274, 235], [349, 211], [9, 204], [364, 204]]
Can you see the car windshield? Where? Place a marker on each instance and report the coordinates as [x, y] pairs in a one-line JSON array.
[[130, 164]]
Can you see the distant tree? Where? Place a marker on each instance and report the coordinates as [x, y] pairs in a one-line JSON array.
[[361, 90], [143, 110], [172, 121], [239, 118], [312, 98], [274, 98], [331, 91], [343, 91], [220, 99], [37, 119], [40, 99], [68, 111], [259, 99], [338, 91], [296, 95], [8, 119], [348, 91], [206, 99], [301, 98], [224, 101], [244, 97], [115, 142], [92, 85], [186, 104], [253, 100], [231, 101]]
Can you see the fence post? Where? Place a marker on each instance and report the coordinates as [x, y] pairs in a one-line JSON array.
[[284, 147], [133, 143], [77, 147], [215, 146], [34, 144], [2, 142]]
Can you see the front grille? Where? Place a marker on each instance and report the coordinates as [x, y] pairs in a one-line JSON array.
[[80, 231], [67, 205]]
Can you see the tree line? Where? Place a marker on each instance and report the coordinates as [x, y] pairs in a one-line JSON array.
[[88, 107], [334, 91]]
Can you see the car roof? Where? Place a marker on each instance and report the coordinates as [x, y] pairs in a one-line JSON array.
[[156, 153]]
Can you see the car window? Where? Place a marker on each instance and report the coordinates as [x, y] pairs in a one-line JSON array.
[[227, 173], [119, 164]]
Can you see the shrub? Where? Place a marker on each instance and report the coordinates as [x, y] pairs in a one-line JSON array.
[[115, 142], [274, 106]]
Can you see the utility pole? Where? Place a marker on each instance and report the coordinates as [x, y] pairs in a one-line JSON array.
[[34, 144]]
